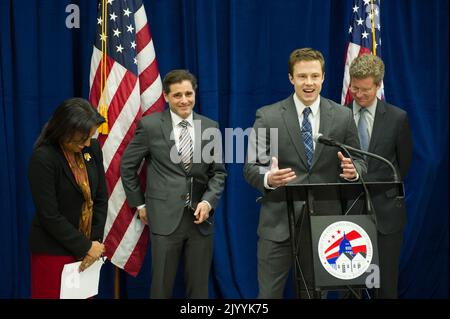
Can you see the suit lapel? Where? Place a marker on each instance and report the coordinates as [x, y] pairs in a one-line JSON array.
[[198, 144], [290, 117], [377, 129], [91, 168], [324, 127], [67, 170], [166, 127]]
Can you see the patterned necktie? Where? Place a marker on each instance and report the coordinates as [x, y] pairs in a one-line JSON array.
[[363, 130], [185, 149], [307, 136]]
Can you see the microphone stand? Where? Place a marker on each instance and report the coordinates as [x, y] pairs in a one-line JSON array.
[[368, 200], [331, 142], [398, 199], [355, 150], [347, 149]]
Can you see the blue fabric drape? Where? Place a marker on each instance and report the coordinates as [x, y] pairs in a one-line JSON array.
[[238, 50]]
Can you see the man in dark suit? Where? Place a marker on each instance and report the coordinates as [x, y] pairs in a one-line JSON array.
[[184, 184], [384, 130], [297, 119]]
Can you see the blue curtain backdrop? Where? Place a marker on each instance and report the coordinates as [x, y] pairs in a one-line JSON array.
[[239, 50]]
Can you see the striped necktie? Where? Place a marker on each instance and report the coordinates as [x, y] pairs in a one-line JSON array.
[[185, 149]]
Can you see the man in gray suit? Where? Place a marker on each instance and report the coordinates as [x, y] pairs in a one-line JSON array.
[[184, 184], [383, 130], [297, 119]]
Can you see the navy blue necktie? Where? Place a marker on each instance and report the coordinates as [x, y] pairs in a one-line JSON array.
[[307, 136]]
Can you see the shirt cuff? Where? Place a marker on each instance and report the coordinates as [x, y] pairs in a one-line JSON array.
[[140, 206], [266, 185], [354, 179], [209, 205]]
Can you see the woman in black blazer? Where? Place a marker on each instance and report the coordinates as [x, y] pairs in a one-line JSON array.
[[67, 182]]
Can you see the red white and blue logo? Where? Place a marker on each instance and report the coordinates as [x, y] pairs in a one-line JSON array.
[[345, 250]]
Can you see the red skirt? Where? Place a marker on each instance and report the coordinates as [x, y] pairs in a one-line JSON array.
[[46, 275]]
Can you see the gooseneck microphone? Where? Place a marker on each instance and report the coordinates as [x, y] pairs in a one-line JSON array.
[[319, 138]]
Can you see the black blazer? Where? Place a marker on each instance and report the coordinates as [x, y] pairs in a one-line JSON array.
[[58, 200], [391, 139]]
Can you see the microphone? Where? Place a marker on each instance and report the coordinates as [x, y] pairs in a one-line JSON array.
[[319, 138]]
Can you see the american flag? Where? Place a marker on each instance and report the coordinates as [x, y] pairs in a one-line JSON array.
[[364, 32], [124, 85]]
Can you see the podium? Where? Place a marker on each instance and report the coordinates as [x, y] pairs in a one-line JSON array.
[[328, 260]]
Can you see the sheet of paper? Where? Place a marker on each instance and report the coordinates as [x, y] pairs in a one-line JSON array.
[[80, 285]]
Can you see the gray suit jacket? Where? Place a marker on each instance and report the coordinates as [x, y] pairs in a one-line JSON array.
[[168, 182], [391, 139], [335, 122]]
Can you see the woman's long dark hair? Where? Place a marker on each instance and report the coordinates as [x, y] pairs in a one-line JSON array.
[[75, 115]]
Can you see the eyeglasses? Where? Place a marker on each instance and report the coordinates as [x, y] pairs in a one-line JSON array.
[[355, 89]]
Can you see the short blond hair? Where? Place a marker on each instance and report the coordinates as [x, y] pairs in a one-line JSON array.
[[367, 65]]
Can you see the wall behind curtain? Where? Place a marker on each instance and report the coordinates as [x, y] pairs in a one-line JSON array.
[[238, 50]]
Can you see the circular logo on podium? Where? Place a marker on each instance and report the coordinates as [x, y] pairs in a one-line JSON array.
[[345, 250]]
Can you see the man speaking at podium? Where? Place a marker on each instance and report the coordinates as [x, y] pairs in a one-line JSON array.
[[297, 120], [384, 130]]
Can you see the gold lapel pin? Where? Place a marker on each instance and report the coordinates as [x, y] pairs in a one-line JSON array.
[[87, 157]]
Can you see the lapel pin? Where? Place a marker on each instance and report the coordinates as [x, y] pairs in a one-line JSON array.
[[87, 157]]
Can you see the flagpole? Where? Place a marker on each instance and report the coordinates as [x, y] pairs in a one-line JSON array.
[[374, 38], [116, 282], [103, 108]]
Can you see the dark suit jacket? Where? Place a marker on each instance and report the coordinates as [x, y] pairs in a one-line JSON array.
[[391, 139], [336, 122], [58, 200], [168, 182]]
